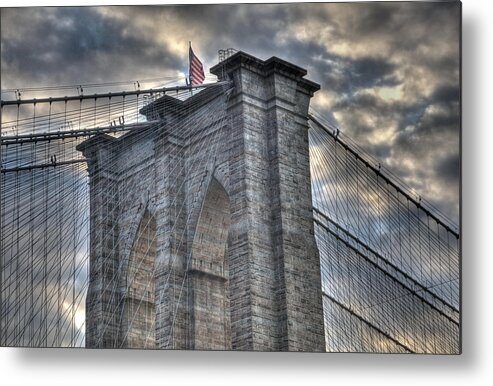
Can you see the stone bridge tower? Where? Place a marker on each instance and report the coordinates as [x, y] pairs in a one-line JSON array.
[[237, 266]]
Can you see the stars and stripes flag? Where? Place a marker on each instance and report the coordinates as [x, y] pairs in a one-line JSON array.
[[196, 70]]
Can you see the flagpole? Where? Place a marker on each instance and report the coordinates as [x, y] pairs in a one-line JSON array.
[[190, 66], [189, 62]]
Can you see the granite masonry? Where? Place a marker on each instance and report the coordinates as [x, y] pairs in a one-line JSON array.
[[201, 225]]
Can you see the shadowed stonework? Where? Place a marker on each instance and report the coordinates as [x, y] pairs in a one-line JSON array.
[[138, 316], [210, 274]]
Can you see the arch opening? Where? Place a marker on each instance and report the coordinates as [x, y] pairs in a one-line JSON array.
[[139, 314], [209, 273]]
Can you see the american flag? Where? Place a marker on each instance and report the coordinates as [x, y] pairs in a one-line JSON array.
[[196, 72]]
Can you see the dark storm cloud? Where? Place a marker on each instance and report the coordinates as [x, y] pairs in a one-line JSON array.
[[448, 168], [438, 116], [254, 27], [369, 72], [67, 44], [345, 75], [406, 25], [389, 71], [446, 94]]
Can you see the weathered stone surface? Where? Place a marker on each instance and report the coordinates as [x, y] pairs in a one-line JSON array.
[[225, 181]]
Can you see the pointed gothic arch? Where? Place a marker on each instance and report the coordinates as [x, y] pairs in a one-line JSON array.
[[139, 314], [209, 272]]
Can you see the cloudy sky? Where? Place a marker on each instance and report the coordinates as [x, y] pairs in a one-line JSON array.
[[389, 71]]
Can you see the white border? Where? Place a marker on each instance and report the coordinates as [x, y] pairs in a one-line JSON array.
[[474, 367]]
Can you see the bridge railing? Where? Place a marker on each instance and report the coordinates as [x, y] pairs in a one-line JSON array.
[[226, 53]]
